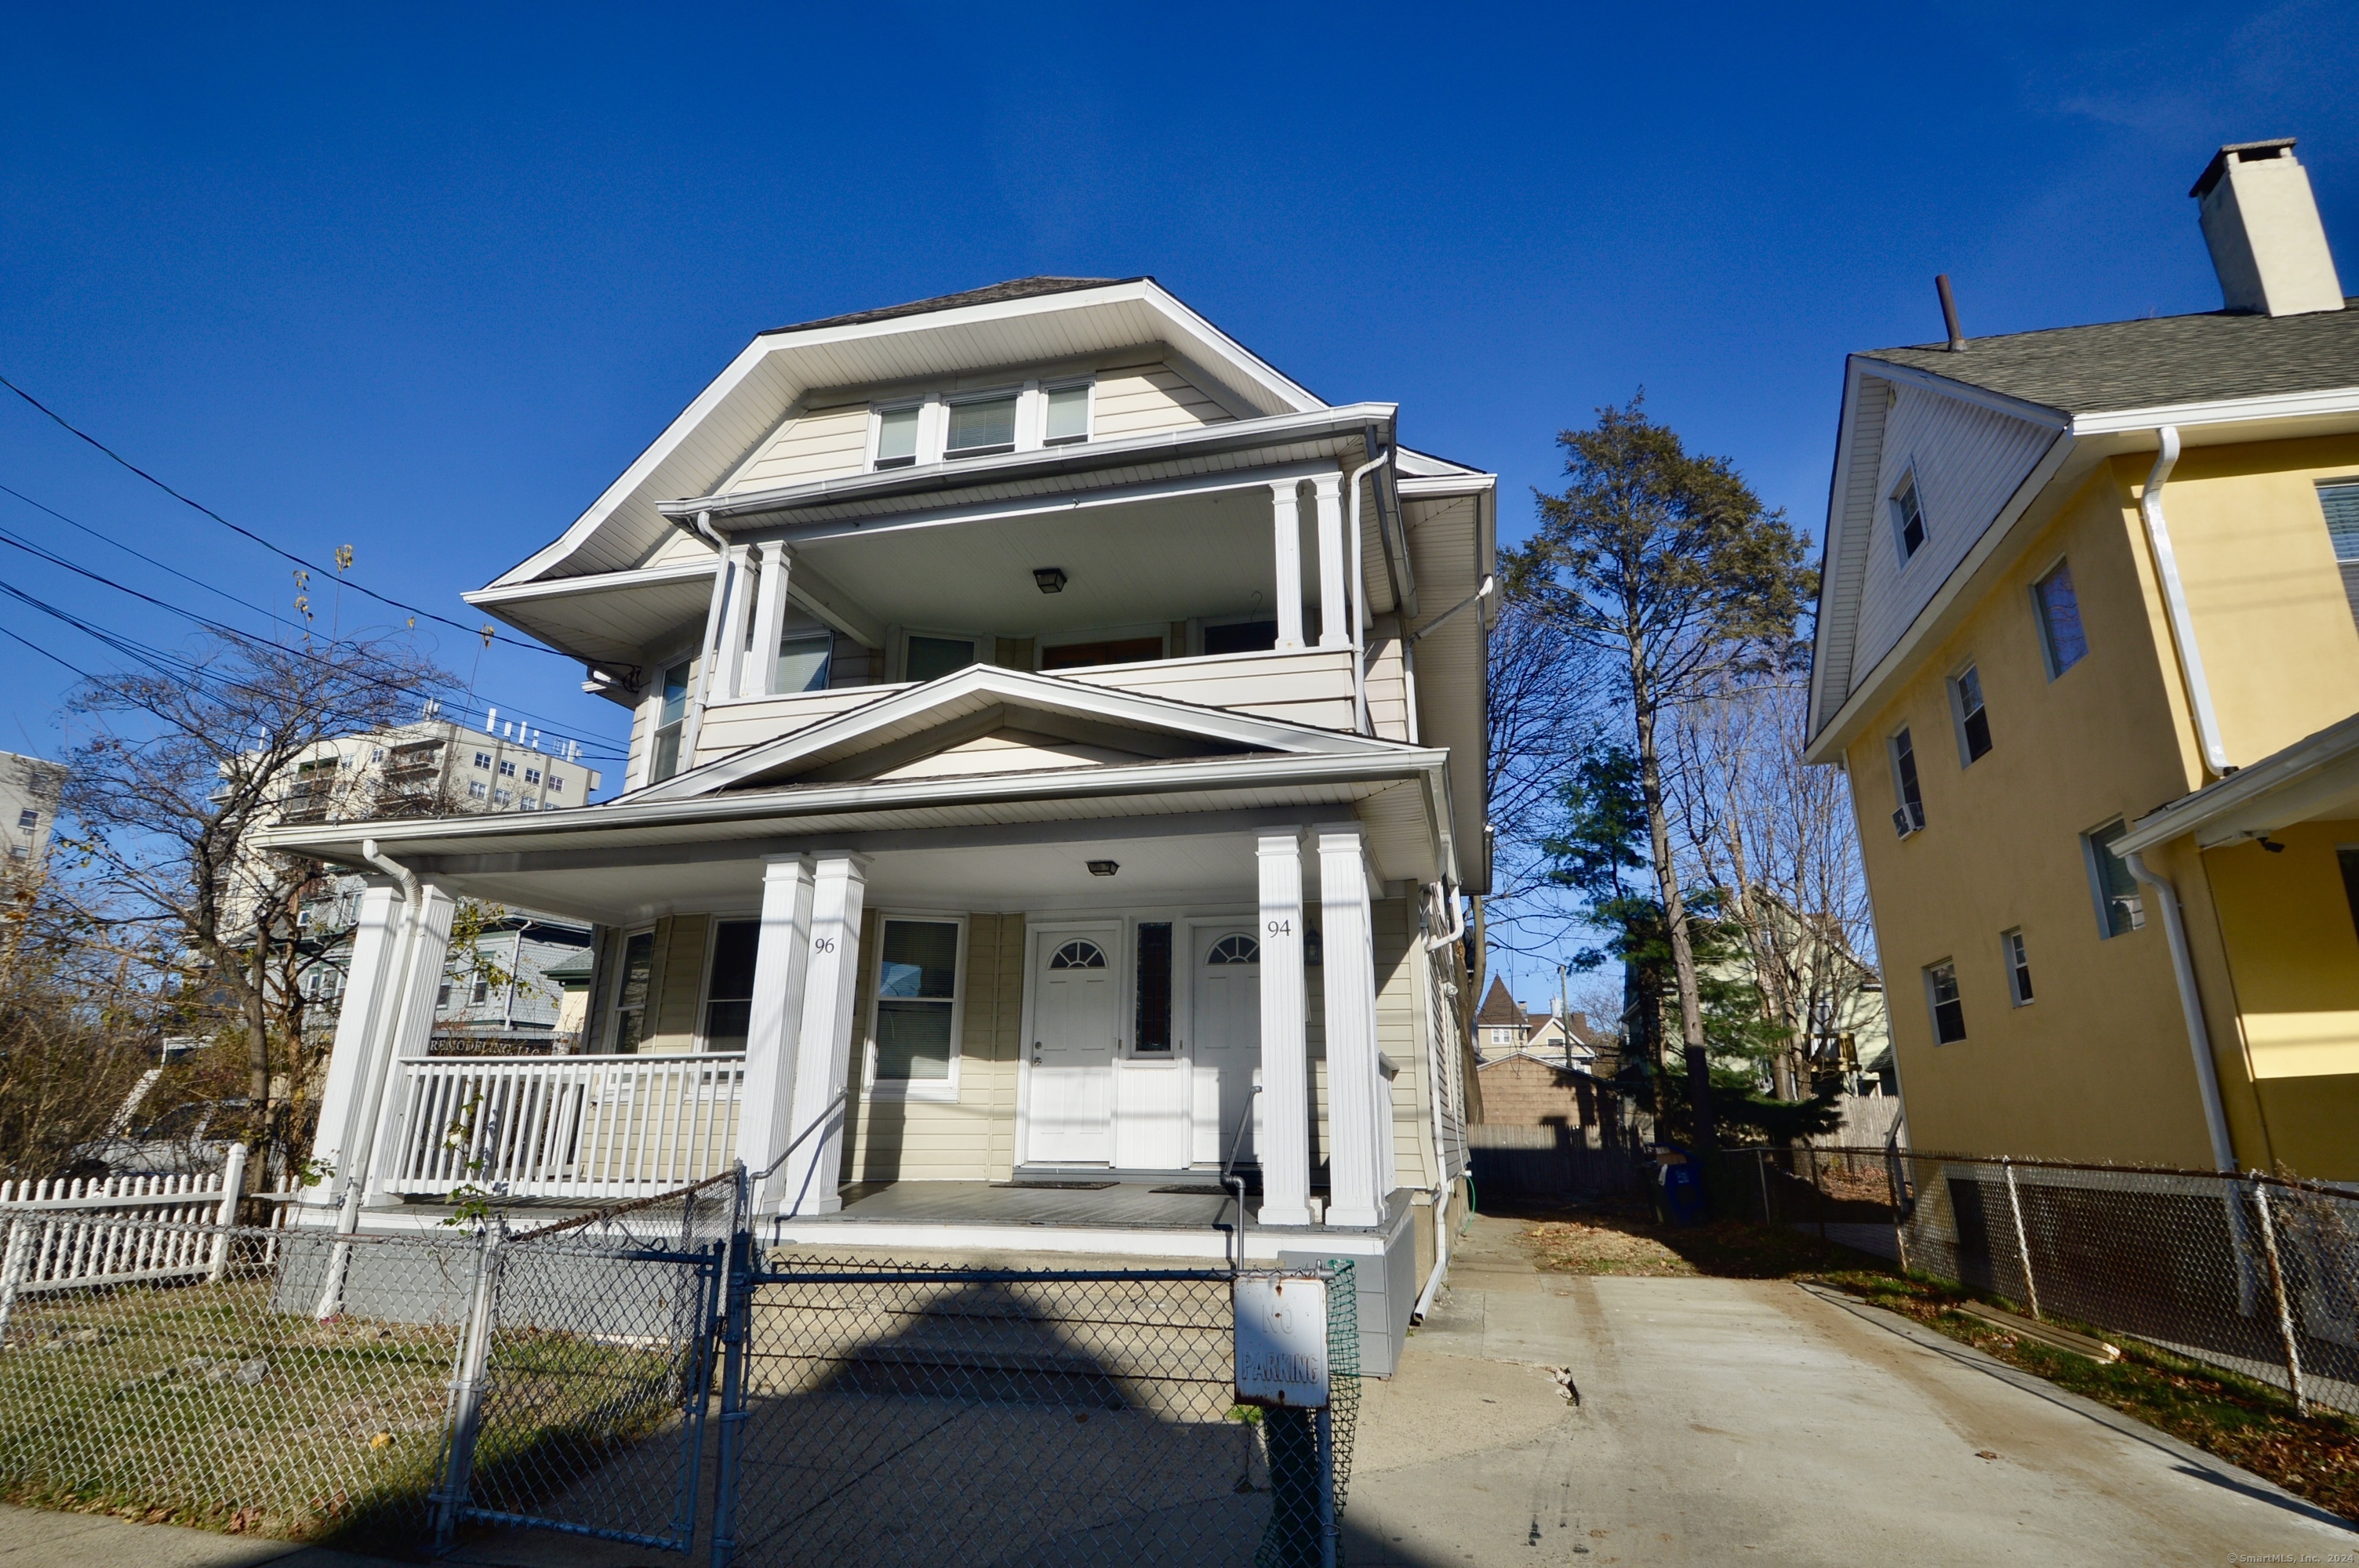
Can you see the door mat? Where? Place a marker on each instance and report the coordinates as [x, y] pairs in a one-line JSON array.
[[1059, 1186], [1189, 1192]]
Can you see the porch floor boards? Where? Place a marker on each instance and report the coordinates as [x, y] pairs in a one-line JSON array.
[[1125, 1206]]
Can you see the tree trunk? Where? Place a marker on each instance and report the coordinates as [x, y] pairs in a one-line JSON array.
[[257, 1038], [1675, 921]]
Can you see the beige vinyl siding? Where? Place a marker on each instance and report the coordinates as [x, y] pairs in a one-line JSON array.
[[679, 984], [682, 545], [748, 721], [1398, 1037], [1312, 686], [1387, 680], [820, 443], [1133, 400], [972, 1138]]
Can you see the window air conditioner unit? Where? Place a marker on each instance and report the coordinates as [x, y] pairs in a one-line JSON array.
[[1908, 819]]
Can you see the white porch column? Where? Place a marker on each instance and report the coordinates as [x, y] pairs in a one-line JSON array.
[[736, 624], [1285, 1127], [781, 960], [823, 1045], [375, 941], [1356, 1092], [1285, 539], [1334, 612], [769, 619], [413, 1027]]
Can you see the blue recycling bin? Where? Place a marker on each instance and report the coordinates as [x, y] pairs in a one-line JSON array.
[[1682, 1188]]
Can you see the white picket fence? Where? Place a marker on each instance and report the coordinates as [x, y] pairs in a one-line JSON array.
[[67, 1234], [565, 1126]]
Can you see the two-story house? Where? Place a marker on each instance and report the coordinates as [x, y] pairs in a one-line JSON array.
[[1056, 769], [2087, 649]]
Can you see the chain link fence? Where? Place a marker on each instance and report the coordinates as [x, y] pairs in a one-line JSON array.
[[2253, 1275], [951, 1416], [304, 1384]]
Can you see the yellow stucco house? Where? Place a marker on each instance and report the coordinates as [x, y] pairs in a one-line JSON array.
[[2089, 649]]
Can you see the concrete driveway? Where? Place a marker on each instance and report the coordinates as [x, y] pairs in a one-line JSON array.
[[1759, 1422]]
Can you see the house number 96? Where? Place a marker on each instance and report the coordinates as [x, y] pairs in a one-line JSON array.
[[823, 944]]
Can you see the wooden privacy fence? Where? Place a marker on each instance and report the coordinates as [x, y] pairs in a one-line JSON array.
[[1551, 1162]]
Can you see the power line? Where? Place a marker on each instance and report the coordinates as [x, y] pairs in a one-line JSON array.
[[325, 572], [220, 628]]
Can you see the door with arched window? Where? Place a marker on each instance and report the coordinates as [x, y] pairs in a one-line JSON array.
[[1076, 1026], [1225, 1022]]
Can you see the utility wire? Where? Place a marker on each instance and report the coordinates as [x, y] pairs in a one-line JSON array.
[[325, 572], [11, 538]]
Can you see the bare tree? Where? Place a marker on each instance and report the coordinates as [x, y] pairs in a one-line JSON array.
[[1775, 835], [183, 766]]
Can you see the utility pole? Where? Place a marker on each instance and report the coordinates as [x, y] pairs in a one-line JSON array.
[[1564, 1017]]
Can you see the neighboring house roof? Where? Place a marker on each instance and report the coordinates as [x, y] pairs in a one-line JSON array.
[[1499, 1008], [989, 294], [2209, 358]]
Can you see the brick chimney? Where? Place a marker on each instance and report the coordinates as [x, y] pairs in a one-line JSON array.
[[2261, 221]]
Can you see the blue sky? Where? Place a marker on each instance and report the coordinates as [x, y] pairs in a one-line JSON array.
[[423, 283]]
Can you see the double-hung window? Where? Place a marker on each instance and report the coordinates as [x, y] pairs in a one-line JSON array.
[[1908, 816], [2340, 502], [729, 989], [1941, 997], [2018, 967], [804, 658], [917, 1007], [1974, 720], [981, 426], [2061, 641], [896, 436], [671, 720], [1067, 416], [635, 979], [1908, 518], [2121, 906]]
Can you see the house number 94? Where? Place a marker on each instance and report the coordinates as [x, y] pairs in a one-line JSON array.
[[1281, 928]]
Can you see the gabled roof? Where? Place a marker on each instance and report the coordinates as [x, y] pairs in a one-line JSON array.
[[1498, 1007], [916, 721], [1028, 320], [2209, 358]]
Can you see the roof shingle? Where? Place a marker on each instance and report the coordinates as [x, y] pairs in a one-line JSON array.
[[990, 294], [2166, 360]]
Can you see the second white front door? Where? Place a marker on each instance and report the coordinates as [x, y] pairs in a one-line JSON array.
[[1227, 1046], [1075, 1028]]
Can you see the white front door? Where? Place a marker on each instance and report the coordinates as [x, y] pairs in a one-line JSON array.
[[1225, 1022], [1075, 1019]]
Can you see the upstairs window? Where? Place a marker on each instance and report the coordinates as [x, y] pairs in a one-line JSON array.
[[557, 784], [2340, 502], [482, 759], [1942, 996], [1908, 518], [2019, 968], [930, 658], [1974, 720], [803, 660], [532, 776], [672, 720], [2121, 906], [1908, 816], [1067, 416], [27, 820], [896, 436], [508, 770], [981, 426], [2061, 641]]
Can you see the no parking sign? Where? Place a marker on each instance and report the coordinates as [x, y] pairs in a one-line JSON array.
[[1281, 1341]]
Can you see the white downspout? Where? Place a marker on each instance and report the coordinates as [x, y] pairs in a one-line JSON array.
[[1435, 1066], [1456, 916], [2174, 598], [692, 724], [2199, 1036], [1359, 598]]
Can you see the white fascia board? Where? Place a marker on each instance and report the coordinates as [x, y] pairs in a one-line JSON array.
[[1826, 744], [2276, 407], [2256, 789], [500, 594], [1429, 486], [1414, 464], [1396, 764], [1842, 611], [1014, 468], [1024, 688]]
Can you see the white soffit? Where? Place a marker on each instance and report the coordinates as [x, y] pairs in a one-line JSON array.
[[743, 403]]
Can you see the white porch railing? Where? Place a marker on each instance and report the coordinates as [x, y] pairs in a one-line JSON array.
[[585, 1127]]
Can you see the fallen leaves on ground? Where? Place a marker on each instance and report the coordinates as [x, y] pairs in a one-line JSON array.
[[1627, 1240]]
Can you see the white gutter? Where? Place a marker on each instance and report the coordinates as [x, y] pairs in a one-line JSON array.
[[1360, 598], [2199, 1036], [2174, 597], [1450, 911], [383, 1041]]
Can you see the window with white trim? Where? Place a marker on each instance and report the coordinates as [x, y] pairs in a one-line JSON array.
[[982, 426], [2121, 902], [2018, 967], [896, 436], [729, 987], [634, 978], [1907, 517], [2339, 500], [1067, 418], [804, 658], [915, 1048], [1908, 816], [1941, 997], [1973, 719], [671, 720], [2062, 640]]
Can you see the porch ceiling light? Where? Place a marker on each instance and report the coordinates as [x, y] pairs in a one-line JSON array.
[[1103, 868], [1052, 580]]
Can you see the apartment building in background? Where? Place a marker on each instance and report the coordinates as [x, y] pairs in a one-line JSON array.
[[30, 791], [2087, 649]]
